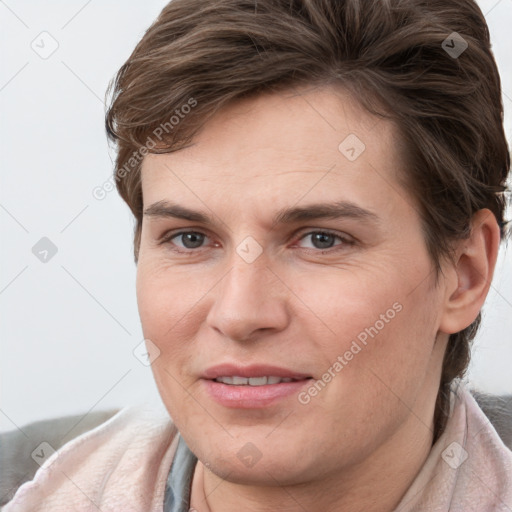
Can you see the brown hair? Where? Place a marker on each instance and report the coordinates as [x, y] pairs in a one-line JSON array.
[[393, 55]]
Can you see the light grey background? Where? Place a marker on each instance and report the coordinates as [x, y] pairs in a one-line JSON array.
[[69, 326]]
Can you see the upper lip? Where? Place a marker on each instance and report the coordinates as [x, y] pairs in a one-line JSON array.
[[256, 370]]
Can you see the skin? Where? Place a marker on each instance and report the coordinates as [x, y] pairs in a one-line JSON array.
[[359, 443]]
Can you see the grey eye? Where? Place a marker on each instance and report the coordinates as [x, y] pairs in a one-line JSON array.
[[321, 239], [190, 239]]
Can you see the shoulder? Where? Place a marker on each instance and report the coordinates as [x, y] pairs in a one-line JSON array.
[[498, 409], [123, 439], [16, 446]]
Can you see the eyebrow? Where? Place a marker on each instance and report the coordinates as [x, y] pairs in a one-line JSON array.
[[337, 210]]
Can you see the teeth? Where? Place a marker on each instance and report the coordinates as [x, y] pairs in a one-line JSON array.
[[251, 381], [258, 381]]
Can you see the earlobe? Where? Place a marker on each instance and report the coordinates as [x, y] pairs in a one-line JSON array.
[[473, 273]]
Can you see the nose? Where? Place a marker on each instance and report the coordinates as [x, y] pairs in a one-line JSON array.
[[249, 300]]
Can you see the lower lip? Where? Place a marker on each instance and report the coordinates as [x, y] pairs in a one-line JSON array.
[[252, 397]]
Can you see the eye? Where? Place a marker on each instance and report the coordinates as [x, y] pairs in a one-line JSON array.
[[324, 240], [188, 239]]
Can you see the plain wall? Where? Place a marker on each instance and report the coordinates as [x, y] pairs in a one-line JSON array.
[[69, 325]]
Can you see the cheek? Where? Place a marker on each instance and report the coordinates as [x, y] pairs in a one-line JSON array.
[[379, 335], [171, 310], [169, 305], [352, 304], [167, 297]]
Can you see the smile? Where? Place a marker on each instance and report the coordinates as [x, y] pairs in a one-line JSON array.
[[252, 381]]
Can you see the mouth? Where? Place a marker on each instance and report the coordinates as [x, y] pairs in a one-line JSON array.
[[253, 381], [252, 387]]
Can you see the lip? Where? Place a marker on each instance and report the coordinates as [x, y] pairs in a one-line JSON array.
[[255, 370], [252, 397]]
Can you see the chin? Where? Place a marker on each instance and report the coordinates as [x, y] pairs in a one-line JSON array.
[[269, 473], [243, 463]]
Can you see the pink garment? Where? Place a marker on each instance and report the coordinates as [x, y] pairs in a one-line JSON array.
[[122, 465], [448, 481]]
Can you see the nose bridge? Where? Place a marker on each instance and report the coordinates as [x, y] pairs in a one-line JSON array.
[[248, 263], [246, 299], [246, 285], [247, 277]]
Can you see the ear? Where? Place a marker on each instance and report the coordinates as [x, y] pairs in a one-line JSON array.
[[468, 283]]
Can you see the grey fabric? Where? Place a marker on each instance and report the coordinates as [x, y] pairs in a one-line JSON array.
[[179, 480], [16, 446], [499, 411], [17, 465]]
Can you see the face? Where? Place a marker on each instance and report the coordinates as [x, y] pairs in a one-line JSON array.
[[280, 245]]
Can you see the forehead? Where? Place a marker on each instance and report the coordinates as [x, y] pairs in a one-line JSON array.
[[273, 149]]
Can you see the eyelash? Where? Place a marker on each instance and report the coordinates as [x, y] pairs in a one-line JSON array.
[[345, 241]]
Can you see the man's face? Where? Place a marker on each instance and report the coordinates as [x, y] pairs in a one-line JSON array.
[[344, 305]]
